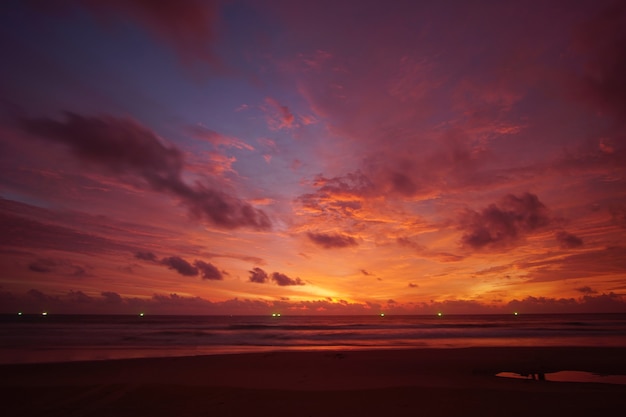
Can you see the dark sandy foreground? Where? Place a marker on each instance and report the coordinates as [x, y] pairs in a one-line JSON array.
[[422, 382]]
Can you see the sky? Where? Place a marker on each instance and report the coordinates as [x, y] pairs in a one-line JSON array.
[[326, 157]]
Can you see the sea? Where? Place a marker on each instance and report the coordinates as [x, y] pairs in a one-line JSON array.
[[60, 338]]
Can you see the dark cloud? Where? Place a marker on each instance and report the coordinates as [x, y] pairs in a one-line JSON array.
[[78, 297], [112, 303], [180, 265], [205, 269], [258, 275], [412, 285], [36, 294], [283, 280], [43, 265], [604, 303], [332, 240], [146, 256], [208, 270], [364, 272], [499, 225], [402, 184], [586, 290], [123, 146], [111, 297], [568, 240]]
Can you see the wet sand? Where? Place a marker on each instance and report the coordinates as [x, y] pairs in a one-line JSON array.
[[428, 382]]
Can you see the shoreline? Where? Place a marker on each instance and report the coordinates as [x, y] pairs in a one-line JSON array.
[[257, 383]]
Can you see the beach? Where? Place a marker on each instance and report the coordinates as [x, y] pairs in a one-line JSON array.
[[407, 382]]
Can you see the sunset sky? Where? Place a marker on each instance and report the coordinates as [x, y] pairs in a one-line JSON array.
[[323, 157]]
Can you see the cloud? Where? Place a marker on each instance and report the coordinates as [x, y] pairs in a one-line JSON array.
[[180, 265], [113, 303], [604, 303], [217, 139], [283, 280], [123, 146], [586, 290], [568, 240], [111, 297], [43, 265], [500, 225], [402, 184], [332, 240], [205, 269], [364, 272], [58, 266], [208, 271], [258, 275], [279, 116], [146, 256]]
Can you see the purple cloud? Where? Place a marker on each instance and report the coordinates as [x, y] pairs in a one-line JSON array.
[[208, 270], [500, 225], [123, 146], [146, 256], [43, 265], [258, 275], [332, 240], [568, 241], [283, 280], [180, 265], [586, 290]]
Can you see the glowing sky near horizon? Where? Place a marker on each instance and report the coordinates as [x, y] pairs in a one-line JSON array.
[[245, 157]]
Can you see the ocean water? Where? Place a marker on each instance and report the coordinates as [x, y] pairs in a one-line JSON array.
[[56, 338]]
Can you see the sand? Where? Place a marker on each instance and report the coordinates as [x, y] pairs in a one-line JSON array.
[[420, 382]]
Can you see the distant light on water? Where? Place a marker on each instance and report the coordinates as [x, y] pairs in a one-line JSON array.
[[19, 314], [275, 314], [45, 313], [382, 314], [141, 314], [440, 314], [515, 314]]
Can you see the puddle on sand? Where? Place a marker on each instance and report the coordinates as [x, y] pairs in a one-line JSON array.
[[568, 376]]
